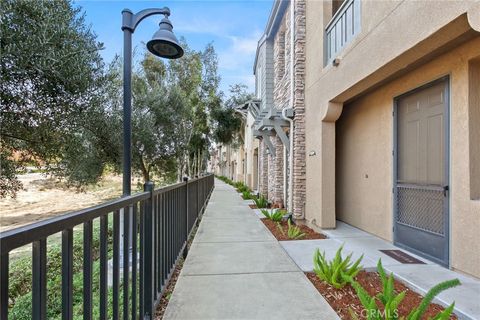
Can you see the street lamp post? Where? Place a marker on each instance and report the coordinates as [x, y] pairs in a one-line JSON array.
[[164, 44]]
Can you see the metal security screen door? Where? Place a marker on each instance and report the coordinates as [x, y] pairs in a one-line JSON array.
[[421, 184]]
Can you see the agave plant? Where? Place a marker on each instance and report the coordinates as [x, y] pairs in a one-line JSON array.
[[334, 272], [391, 301], [261, 202], [242, 188], [246, 195], [387, 297], [225, 179], [274, 215], [238, 184], [294, 232], [417, 313]]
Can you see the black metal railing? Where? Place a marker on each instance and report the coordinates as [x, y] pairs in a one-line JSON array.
[[156, 228]]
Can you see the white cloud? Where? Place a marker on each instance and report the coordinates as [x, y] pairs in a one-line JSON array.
[[240, 53], [235, 47], [245, 45], [199, 25], [235, 61]]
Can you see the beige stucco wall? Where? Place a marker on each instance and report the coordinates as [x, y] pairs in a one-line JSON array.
[[229, 162], [365, 141], [367, 63], [364, 136], [415, 31], [238, 157]]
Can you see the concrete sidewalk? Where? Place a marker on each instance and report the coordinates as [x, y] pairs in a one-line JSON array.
[[237, 270], [419, 277]]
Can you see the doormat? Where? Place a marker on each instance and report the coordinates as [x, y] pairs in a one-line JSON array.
[[402, 257]]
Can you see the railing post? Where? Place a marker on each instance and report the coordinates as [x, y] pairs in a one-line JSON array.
[[148, 254], [185, 251], [198, 207], [4, 274]]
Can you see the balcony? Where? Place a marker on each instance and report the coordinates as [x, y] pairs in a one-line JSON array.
[[344, 26]]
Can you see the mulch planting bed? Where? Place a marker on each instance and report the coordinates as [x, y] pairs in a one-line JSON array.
[[344, 299], [273, 227], [162, 305]]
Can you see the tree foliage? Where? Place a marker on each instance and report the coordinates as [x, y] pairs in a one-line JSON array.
[[228, 122], [51, 79], [61, 106]]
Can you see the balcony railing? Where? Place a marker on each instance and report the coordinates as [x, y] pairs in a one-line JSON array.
[[162, 221], [343, 27]]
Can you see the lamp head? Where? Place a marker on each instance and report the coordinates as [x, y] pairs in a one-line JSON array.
[[164, 44]]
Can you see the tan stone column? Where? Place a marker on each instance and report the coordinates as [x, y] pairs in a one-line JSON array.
[[298, 136], [271, 177], [263, 170], [278, 200]]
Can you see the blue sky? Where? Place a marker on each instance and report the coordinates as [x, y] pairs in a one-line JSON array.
[[233, 26]]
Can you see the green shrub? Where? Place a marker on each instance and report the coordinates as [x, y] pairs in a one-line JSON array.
[[238, 184], [242, 188], [260, 202], [246, 195], [333, 271], [390, 301], [226, 180], [274, 214], [20, 276]]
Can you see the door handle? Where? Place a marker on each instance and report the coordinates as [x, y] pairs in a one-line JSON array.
[[445, 190]]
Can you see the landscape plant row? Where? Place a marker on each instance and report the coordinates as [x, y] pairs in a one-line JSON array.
[[339, 272], [277, 215], [260, 201]]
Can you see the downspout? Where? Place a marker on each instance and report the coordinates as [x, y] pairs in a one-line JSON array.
[[292, 92]]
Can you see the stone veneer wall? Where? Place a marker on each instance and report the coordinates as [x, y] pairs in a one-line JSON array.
[[271, 175], [271, 168], [299, 152], [278, 200], [281, 92], [263, 170]]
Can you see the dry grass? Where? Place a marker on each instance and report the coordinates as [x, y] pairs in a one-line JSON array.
[[44, 197]]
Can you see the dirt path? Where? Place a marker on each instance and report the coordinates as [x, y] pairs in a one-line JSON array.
[[43, 198]]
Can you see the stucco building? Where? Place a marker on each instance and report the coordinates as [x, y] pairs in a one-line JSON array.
[[228, 160], [393, 123], [279, 70], [368, 112]]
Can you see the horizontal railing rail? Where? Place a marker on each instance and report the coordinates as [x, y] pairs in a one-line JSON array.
[[156, 228], [343, 27]]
